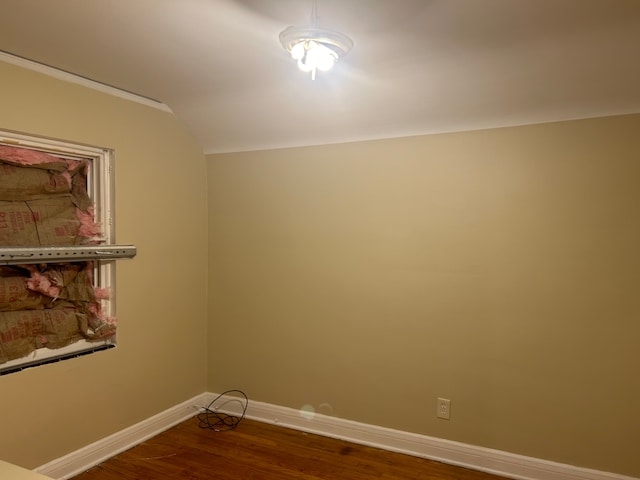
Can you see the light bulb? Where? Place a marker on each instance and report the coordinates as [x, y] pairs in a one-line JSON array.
[[305, 65], [298, 51], [325, 58], [312, 56]]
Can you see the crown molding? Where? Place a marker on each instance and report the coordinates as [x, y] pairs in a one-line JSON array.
[[78, 80]]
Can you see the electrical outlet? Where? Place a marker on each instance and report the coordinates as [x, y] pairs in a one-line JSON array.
[[444, 408]]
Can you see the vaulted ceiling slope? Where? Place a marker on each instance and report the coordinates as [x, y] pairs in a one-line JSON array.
[[418, 66]]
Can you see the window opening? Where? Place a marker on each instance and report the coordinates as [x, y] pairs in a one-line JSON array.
[[57, 250]]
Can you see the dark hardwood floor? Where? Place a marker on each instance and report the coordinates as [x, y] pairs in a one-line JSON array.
[[256, 450]]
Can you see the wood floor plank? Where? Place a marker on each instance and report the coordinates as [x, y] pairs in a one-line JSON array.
[[256, 451]]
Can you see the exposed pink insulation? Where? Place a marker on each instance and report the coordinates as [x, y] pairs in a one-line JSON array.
[[31, 288], [102, 293], [42, 283], [88, 227], [102, 325], [67, 177], [41, 206], [28, 157], [44, 201], [23, 183], [16, 295], [73, 165], [22, 332]]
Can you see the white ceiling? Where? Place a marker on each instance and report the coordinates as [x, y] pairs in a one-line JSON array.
[[418, 66]]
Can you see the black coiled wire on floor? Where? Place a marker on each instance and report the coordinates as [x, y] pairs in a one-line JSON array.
[[211, 417]]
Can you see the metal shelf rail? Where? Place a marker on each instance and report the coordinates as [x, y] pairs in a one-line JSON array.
[[76, 253]]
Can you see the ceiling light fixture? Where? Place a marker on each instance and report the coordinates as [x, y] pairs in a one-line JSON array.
[[313, 47]]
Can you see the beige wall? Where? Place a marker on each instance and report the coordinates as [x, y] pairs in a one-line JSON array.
[[498, 268], [160, 361]]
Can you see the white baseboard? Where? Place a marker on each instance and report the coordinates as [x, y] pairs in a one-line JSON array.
[[83, 459], [455, 453]]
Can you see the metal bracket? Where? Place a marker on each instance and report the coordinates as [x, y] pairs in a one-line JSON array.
[[24, 255]]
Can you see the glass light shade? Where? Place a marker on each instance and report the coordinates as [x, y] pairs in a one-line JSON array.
[[315, 48]]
